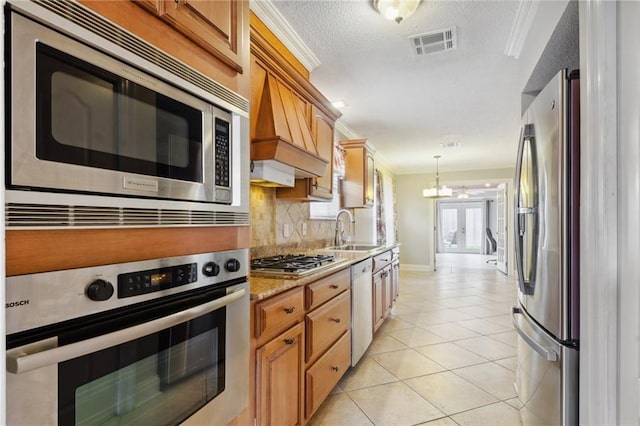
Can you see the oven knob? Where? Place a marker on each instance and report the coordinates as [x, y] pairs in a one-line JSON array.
[[100, 290], [210, 269], [232, 265]]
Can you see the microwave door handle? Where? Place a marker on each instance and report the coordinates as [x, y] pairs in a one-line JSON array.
[[21, 361]]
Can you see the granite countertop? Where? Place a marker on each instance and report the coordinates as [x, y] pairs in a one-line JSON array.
[[263, 286]]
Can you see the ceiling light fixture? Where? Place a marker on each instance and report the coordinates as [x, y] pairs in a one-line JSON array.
[[437, 192], [396, 10], [463, 193]]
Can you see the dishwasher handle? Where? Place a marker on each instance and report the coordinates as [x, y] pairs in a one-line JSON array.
[[548, 353]]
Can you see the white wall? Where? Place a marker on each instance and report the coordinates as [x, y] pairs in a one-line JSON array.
[[415, 222], [610, 210], [628, 74], [415, 213]]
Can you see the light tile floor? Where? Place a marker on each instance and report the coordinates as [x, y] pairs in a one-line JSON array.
[[446, 356]]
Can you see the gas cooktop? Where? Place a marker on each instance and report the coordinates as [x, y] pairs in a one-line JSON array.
[[292, 264]]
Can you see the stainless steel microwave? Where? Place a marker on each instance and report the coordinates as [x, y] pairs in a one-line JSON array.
[[95, 110]]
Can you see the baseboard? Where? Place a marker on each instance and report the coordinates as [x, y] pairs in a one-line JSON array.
[[416, 268]]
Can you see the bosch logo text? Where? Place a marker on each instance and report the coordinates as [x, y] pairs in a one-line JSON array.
[[18, 303]]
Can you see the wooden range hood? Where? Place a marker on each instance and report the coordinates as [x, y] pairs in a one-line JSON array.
[[282, 130]]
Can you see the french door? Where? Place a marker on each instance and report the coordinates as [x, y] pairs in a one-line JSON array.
[[461, 226]]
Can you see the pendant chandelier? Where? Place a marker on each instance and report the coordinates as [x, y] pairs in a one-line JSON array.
[[437, 191]]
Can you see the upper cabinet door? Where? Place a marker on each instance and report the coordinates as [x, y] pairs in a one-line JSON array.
[[213, 25], [322, 187]]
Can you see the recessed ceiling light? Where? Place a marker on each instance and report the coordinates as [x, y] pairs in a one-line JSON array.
[[488, 185], [339, 104]]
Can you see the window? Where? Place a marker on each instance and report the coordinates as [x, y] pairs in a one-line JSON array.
[[327, 210]]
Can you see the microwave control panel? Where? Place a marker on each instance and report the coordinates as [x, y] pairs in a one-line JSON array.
[[223, 156]]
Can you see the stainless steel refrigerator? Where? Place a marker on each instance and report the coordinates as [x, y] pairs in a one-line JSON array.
[[547, 229]]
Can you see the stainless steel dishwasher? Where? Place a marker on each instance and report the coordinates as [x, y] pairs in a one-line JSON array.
[[361, 309]]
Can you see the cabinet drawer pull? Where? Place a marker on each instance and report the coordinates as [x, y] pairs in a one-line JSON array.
[[334, 286], [290, 309], [334, 368], [336, 320], [290, 341]]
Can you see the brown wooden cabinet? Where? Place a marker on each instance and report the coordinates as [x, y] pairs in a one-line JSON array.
[[378, 300], [280, 379], [316, 188], [385, 285], [302, 348], [395, 279], [213, 25], [277, 313], [323, 376], [327, 288], [291, 121], [358, 183], [326, 324]]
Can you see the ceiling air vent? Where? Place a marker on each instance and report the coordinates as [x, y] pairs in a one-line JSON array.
[[435, 41], [450, 145]]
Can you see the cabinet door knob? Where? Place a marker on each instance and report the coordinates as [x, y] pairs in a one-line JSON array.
[[315, 184], [334, 368], [336, 320], [290, 309], [289, 341], [334, 286]]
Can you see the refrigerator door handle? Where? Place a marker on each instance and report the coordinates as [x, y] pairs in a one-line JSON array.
[[526, 136], [548, 353]]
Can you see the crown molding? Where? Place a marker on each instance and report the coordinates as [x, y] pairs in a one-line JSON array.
[[521, 26], [347, 131], [273, 19]]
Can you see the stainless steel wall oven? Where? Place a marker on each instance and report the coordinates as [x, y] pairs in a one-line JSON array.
[[153, 342], [96, 111]]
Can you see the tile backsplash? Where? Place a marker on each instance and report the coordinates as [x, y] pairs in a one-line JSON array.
[[272, 219]]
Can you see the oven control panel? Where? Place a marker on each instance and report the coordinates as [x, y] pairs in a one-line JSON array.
[[36, 300], [136, 283]]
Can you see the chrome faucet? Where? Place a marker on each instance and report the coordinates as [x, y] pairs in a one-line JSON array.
[[337, 241]]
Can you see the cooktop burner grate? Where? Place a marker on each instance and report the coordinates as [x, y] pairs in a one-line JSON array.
[[291, 264]]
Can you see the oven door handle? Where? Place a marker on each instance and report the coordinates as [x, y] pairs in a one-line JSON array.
[[40, 354]]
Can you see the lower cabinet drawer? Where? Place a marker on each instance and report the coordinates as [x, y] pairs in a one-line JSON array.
[[278, 313], [326, 324], [324, 375]]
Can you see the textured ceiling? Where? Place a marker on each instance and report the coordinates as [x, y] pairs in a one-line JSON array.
[[406, 105]]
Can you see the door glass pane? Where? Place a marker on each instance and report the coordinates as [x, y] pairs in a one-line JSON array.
[[473, 228], [159, 379], [449, 227]]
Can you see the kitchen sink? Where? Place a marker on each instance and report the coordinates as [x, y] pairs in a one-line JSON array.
[[353, 247]]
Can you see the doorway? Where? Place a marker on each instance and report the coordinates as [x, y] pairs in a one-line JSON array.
[[461, 226]]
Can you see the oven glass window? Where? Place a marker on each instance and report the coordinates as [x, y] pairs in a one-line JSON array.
[[160, 379], [91, 117]]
